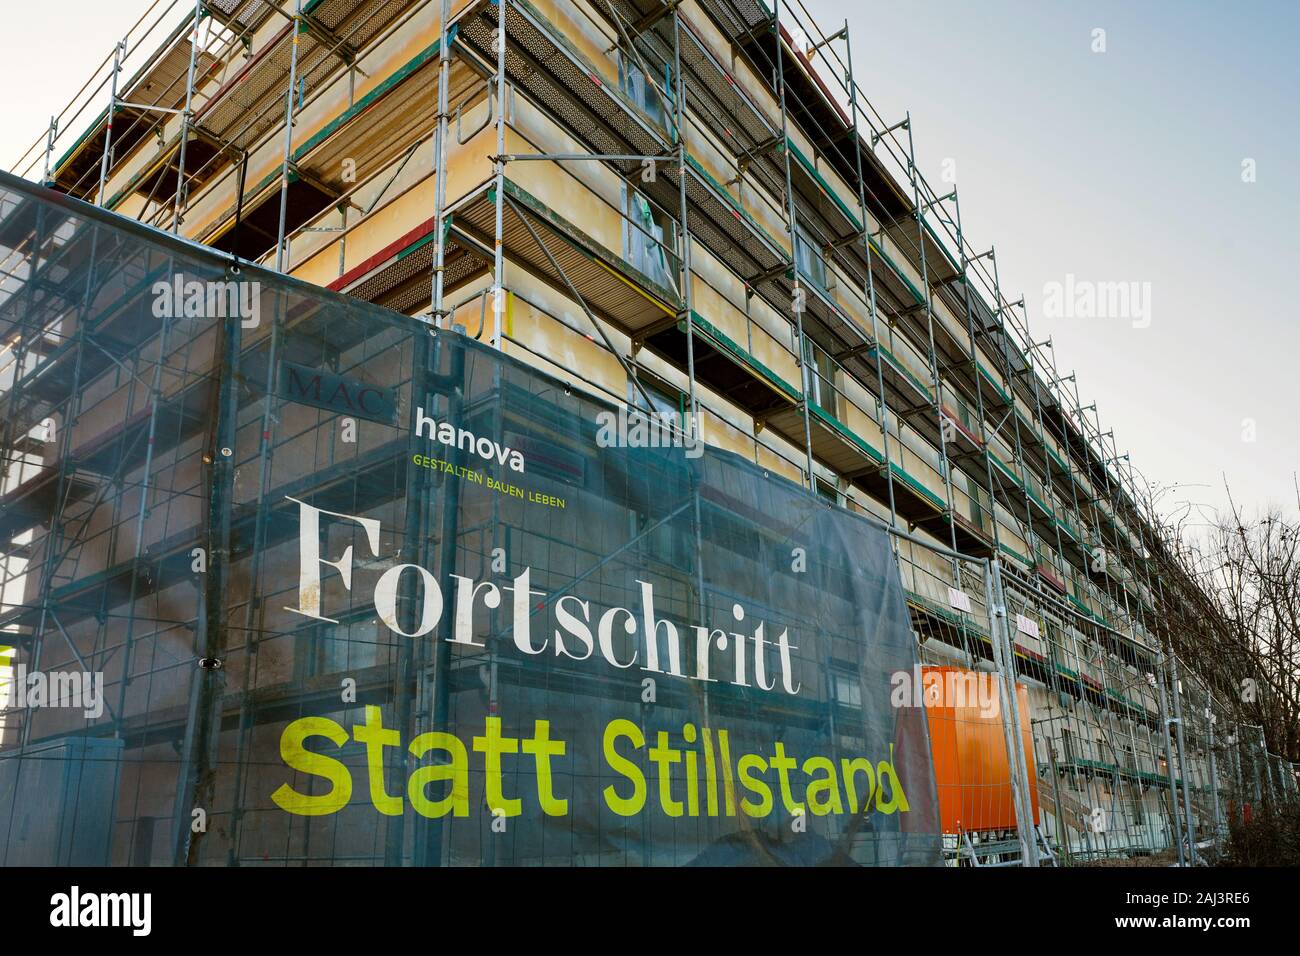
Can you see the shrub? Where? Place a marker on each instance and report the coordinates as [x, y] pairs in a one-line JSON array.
[[1271, 837]]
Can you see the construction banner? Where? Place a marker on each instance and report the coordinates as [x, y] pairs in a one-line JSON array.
[[334, 587], [613, 645]]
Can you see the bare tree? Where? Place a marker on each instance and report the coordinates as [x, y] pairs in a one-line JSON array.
[[1232, 605]]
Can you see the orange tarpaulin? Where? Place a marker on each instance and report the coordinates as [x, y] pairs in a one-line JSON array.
[[971, 768]]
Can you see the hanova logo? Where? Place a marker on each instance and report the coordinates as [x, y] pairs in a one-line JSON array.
[[445, 433]]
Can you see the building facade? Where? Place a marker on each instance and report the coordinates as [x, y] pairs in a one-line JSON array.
[[687, 209]]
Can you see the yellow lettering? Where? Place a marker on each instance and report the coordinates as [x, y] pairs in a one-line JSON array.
[[299, 758]]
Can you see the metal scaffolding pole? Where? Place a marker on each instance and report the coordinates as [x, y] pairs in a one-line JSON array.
[[50, 565], [296, 27], [975, 370], [1030, 359], [1032, 372], [1107, 495], [805, 382], [684, 256], [1158, 679], [499, 170], [200, 764], [1099, 538], [1146, 570], [1110, 734], [944, 464], [882, 409], [1079, 717], [1031, 536], [1115, 497], [1073, 481], [155, 400], [440, 168], [50, 137], [1175, 687], [266, 452], [182, 197], [1004, 660], [1214, 770], [1138, 788], [118, 52]]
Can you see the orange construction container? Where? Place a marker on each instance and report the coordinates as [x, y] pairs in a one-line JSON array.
[[971, 768]]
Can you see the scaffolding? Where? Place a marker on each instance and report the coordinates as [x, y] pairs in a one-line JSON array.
[[870, 334]]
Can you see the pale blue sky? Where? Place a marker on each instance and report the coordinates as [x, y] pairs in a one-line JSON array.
[[1126, 166], [1115, 166]]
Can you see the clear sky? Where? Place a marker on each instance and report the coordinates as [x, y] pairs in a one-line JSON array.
[[1115, 166], [1126, 166]]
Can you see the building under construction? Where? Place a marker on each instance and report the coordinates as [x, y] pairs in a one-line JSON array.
[[685, 208]]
